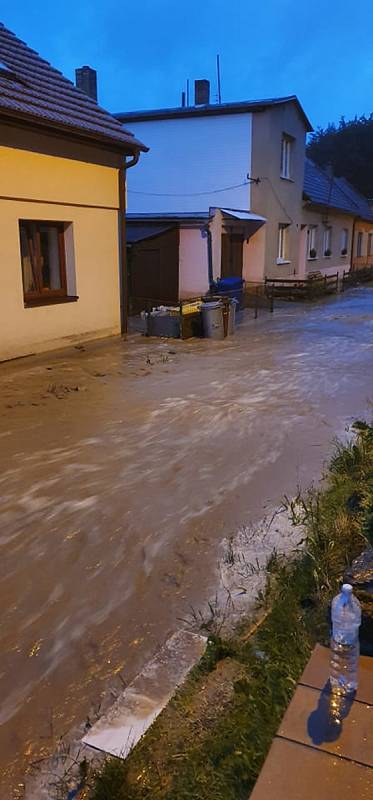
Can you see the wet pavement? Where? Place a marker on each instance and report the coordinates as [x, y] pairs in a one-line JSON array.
[[123, 467]]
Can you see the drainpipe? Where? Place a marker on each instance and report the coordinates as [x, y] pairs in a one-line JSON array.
[[353, 244], [209, 257], [123, 271]]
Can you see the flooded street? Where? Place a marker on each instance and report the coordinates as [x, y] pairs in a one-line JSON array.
[[123, 466]]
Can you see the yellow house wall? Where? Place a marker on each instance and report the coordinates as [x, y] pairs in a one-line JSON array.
[[43, 187], [366, 258]]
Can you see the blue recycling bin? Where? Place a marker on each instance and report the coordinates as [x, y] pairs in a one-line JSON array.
[[233, 287]]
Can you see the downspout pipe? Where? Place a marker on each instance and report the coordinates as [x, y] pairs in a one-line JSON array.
[[123, 269], [353, 243], [209, 257]]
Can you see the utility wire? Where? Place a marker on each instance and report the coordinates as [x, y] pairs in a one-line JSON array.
[[277, 198], [193, 194]]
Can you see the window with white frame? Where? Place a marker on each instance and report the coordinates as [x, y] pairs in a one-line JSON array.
[[370, 244], [286, 153], [312, 242], [359, 245], [344, 242], [328, 241], [283, 244]]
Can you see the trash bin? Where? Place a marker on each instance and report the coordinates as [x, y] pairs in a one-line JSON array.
[[163, 324], [233, 305], [231, 286], [212, 320]]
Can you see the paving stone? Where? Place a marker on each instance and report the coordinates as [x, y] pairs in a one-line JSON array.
[[310, 719], [295, 772], [316, 674]]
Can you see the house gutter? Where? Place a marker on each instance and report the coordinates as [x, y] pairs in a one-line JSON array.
[[123, 270]]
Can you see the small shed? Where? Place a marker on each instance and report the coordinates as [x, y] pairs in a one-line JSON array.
[[167, 258]]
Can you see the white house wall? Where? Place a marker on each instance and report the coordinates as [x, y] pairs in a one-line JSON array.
[[189, 159], [193, 263]]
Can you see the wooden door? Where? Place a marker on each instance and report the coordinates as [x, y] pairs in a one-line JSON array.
[[154, 270], [231, 255]]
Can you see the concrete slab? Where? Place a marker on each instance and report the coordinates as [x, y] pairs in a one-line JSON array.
[[118, 731], [316, 674], [308, 721], [295, 772]]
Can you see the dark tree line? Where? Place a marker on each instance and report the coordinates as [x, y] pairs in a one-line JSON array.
[[348, 147]]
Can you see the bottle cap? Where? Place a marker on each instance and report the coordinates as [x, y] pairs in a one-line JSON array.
[[347, 588]]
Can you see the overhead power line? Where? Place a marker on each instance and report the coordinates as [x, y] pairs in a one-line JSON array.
[[194, 194]]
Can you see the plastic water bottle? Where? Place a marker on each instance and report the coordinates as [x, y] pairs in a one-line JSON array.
[[346, 620]]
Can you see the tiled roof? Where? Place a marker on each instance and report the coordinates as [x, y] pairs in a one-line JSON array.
[[326, 190], [214, 110], [365, 211], [32, 90]]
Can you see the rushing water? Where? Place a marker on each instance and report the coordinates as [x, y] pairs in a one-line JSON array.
[[123, 466]]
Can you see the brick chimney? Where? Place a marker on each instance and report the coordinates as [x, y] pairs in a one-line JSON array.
[[201, 93], [86, 80]]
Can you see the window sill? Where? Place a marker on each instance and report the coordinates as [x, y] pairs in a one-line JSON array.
[[286, 178], [327, 257], [344, 255], [49, 301], [280, 262], [315, 258]]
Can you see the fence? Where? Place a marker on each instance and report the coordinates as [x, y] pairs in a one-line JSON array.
[[309, 288], [355, 276], [255, 296]]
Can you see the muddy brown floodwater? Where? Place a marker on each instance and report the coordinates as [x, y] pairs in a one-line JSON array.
[[123, 466]]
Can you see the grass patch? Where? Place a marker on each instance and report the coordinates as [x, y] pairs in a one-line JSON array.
[[211, 740]]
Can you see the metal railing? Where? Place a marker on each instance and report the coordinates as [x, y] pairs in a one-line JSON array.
[[185, 313], [254, 296]]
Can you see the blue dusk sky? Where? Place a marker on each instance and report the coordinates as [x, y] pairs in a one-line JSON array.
[[144, 51]]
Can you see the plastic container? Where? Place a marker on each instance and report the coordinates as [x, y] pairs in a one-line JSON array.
[[212, 320], [191, 308], [228, 284], [344, 657], [163, 324]]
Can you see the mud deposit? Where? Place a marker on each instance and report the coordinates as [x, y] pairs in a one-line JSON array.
[[123, 467]]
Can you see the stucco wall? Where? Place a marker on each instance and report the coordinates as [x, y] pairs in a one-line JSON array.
[[276, 198], [193, 263], [254, 257], [328, 265], [216, 228], [191, 157], [47, 188]]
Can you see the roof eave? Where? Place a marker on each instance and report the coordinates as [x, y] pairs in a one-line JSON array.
[[244, 107], [72, 132], [323, 208]]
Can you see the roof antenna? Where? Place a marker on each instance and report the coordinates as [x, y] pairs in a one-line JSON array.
[[218, 74]]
